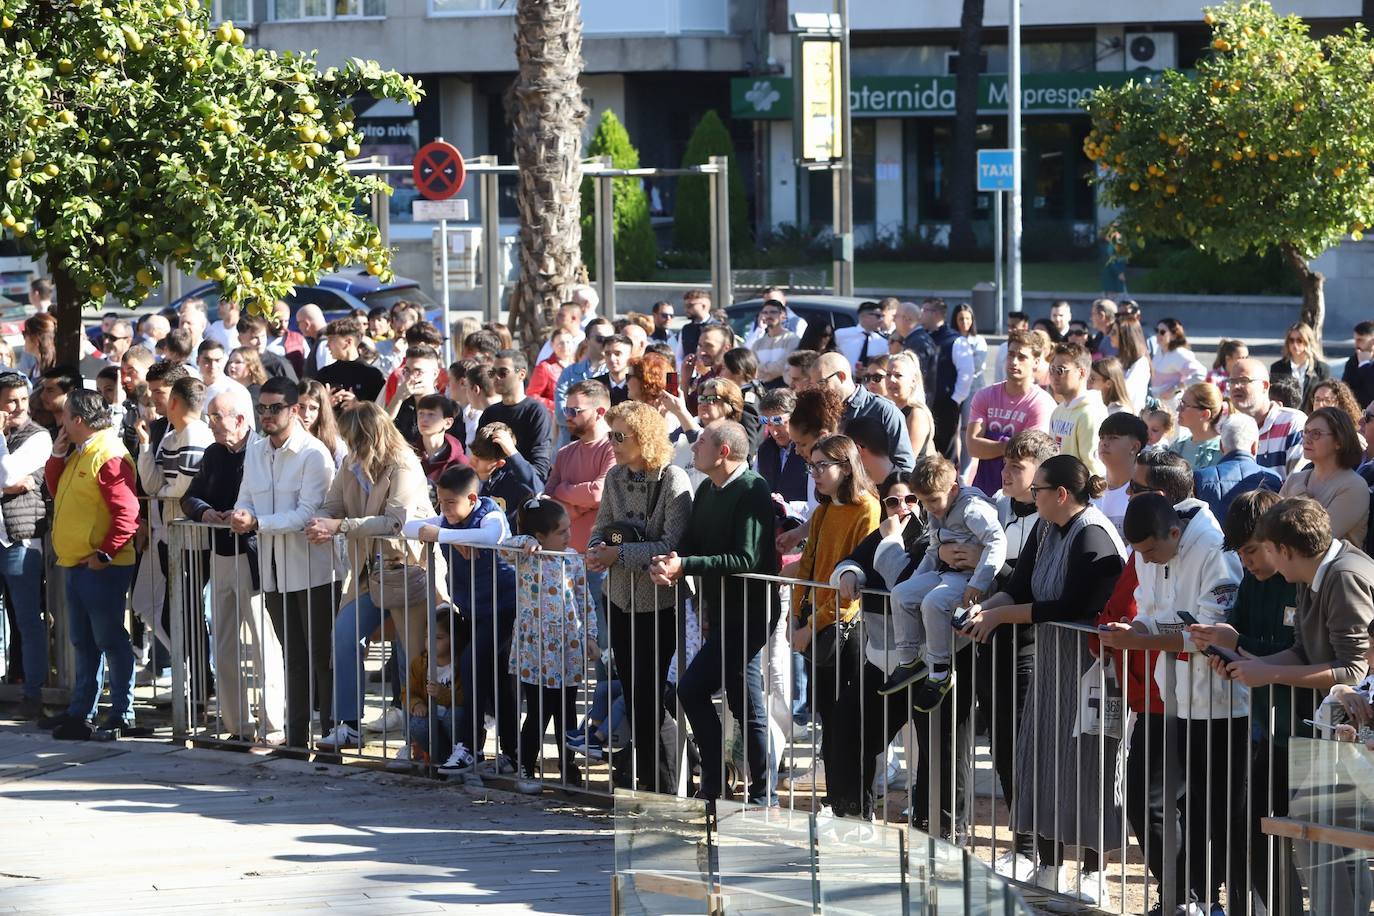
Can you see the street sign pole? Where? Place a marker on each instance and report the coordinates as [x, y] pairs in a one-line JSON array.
[[997, 277], [1014, 141], [439, 174], [448, 294]]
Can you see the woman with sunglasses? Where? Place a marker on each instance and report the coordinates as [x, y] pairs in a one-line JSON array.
[[1106, 378], [847, 510], [1330, 442], [720, 399], [646, 503], [1199, 412], [1175, 367], [1301, 360], [1066, 574], [905, 388]]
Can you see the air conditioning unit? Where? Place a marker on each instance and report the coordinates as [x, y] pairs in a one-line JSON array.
[[1151, 51]]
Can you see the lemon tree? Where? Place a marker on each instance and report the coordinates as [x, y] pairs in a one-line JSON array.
[[1267, 144], [136, 133]]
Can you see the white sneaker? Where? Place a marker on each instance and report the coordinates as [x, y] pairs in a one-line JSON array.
[[401, 762], [1015, 866], [343, 735], [392, 721], [1090, 887], [526, 786], [498, 766], [458, 763], [1051, 878]]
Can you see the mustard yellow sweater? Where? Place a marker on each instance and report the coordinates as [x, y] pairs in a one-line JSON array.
[[836, 529]]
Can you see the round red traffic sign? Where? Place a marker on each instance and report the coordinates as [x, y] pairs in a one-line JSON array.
[[439, 170]]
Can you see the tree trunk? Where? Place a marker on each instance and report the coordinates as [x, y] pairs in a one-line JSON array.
[[547, 114], [1313, 284], [66, 308], [962, 183]]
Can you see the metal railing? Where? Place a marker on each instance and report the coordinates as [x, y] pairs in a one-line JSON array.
[[1037, 749]]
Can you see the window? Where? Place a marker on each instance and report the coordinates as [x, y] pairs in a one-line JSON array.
[[239, 11], [287, 10], [471, 7]]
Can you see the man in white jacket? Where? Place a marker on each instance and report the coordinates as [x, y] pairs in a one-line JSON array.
[[1187, 576], [286, 475]]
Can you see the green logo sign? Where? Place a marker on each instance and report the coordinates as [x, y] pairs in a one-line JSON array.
[[770, 97]]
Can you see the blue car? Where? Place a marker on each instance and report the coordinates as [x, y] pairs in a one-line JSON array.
[[337, 295]]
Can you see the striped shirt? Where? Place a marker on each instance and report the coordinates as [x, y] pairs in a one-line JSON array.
[[1280, 439]]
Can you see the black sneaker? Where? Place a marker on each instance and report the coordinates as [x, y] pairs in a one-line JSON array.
[[72, 730], [904, 676], [48, 723], [930, 693]]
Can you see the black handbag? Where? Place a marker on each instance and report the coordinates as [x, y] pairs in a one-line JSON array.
[[827, 644]]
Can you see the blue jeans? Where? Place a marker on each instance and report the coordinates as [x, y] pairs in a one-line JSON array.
[[438, 745], [95, 610], [354, 624], [801, 697], [21, 566]]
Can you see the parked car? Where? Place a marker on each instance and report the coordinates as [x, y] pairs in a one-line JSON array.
[[838, 311], [337, 295]]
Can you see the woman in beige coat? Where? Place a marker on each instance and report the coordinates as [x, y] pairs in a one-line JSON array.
[[380, 487]]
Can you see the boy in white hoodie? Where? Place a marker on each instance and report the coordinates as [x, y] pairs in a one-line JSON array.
[[1184, 569]]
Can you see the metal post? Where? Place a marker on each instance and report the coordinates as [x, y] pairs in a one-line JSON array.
[[176, 579], [448, 292], [173, 276], [604, 199], [844, 200], [491, 242], [722, 289], [381, 207], [998, 278], [1014, 142]]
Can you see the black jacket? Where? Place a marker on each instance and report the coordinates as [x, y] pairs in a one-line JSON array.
[[216, 486]]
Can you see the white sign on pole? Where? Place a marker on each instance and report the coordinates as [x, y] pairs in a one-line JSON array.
[[432, 211]]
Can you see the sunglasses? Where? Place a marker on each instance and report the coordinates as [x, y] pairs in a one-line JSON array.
[[271, 409], [572, 412], [1135, 489], [1062, 370], [874, 378], [502, 371], [779, 420], [892, 502], [619, 437], [110, 338], [601, 340], [710, 399]]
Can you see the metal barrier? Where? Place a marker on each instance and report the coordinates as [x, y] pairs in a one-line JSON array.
[[1037, 749]]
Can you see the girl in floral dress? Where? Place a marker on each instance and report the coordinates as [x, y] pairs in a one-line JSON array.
[[555, 632]]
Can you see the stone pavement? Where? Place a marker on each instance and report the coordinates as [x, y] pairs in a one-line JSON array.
[[140, 827]]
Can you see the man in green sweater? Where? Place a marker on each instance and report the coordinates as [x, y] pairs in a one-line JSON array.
[[730, 532]]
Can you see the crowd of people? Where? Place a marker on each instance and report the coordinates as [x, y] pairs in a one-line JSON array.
[[654, 513]]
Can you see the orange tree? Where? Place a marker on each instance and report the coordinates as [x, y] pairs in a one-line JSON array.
[[1266, 145], [135, 132]]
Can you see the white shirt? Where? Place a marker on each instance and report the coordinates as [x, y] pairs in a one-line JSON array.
[[284, 488], [490, 531], [1113, 504], [966, 353], [228, 337], [1327, 559], [850, 342], [29, 459], [772, 353]]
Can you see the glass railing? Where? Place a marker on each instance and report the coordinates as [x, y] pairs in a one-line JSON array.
[[675, 855], [1330, 823]]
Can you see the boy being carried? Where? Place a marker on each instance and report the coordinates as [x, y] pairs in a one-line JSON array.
[[923, 606]]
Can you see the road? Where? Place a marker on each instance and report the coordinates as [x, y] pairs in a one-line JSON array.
[[142, 827]]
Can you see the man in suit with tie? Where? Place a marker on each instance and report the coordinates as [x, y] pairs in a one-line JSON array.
[[865, 342], [616, 351]]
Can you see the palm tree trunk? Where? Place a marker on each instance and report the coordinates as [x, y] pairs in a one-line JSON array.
[[547, 115], [1313, 283]]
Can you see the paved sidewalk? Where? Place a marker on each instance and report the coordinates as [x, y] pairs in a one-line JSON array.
[[140, 827]]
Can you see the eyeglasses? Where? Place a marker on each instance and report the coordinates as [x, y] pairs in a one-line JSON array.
[[272, 409], [1184, 405], [619, 437], [502, 371], [770, 313], [1135, 489], [111, 338], [817, 468], [874, 378], [1295, 340], [1038, 489], [892, 502], [572, 412], [779, 420], [1238, 382], [827, 378], [1062, 370], [601, 340], [1315, 435], [710, 399]]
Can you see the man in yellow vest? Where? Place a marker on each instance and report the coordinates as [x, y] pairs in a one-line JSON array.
[[95, 515]]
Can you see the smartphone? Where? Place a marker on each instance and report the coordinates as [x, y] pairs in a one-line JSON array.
[[1105, 627], [961, 618], [1225, 655], [1187, 618], [671, 387]]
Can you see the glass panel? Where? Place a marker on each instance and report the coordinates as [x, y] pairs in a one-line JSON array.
[[860, 867], [1332, 786], [236, 10], [865, 171], [286, 9], [663, 862], [766, 864], [459, 6]]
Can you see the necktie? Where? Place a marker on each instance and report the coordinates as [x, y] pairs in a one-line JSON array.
[[863, 354]]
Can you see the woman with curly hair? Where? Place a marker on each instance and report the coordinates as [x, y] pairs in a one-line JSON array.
[[1333, 393], [647, 379], [646, 503]]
